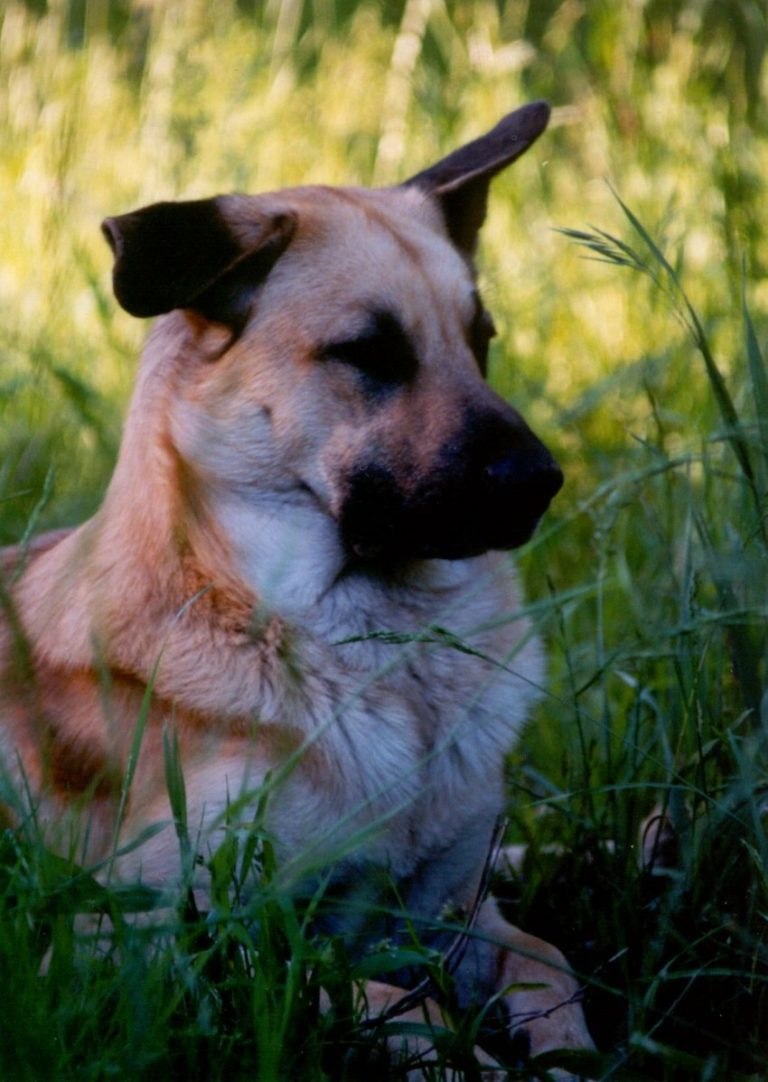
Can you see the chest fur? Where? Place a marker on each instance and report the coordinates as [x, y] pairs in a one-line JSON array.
[[407, 702]]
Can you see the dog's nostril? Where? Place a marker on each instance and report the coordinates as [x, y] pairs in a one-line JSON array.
[[524, 483], [527, 474]]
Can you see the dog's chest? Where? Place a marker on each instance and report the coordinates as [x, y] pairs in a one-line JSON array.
[[413, 702]]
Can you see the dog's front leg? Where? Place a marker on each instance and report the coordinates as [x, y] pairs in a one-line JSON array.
[[412, 1046], [541, 996]]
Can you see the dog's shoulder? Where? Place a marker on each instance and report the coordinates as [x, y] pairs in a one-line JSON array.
[[15, 558]]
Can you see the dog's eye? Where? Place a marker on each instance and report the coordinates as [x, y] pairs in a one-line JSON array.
[[382, 352], [481, 331]]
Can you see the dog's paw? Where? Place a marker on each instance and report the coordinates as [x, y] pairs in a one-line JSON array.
[[554, 1041]]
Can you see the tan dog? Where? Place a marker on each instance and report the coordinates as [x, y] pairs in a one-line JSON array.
[[312, 459]]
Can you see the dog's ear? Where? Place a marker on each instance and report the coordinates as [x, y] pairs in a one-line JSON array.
[[460, 182], [205, 254]]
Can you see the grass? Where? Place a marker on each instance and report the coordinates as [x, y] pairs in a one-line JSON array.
[[642, 365]]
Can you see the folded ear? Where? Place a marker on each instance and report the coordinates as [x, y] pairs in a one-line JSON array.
[[460, 182], [206, 254]]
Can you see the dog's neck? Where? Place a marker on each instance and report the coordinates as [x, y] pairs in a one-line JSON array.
[[165, 549], [251, 570], [283, 548]]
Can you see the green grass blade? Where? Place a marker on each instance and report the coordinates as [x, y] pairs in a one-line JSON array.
[[177, 794], [758, 379]]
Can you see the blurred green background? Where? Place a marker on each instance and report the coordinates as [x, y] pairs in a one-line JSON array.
[[637, 353]]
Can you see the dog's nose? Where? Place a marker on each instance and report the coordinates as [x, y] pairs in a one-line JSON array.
[[530, 478]]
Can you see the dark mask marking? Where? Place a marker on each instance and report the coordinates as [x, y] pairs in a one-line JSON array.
[[382, 354]]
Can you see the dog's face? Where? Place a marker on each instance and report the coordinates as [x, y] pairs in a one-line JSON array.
[[338, 351]]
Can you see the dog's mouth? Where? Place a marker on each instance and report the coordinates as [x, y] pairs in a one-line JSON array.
[[452, 515]]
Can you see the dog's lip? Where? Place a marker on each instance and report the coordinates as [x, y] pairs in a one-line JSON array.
[[467, 551], [460, 549]]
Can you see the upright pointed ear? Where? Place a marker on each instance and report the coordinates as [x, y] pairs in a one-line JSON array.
[[206, 254], [460, 182]]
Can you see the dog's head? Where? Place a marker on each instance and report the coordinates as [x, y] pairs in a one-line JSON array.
[[335, 349]]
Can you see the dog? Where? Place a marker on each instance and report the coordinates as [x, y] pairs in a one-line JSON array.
[[300, 564]]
